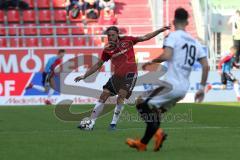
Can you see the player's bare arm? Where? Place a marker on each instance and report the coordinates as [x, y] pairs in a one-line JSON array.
[[152, 34], [205, 68], [92, 70], [166, 55]]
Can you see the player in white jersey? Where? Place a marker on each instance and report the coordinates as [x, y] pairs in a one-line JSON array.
[[180, 53]]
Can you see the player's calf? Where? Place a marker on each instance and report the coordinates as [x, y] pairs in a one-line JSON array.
[[151, 118]]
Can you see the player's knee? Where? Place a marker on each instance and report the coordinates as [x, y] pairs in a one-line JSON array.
[[104, 96], [162, 110], [122, 95], [120, 98], [143, 107]]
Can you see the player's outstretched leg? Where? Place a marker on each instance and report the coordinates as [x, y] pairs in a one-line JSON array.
[[118, 109], [152, 119], [37, 87], [50, 93], [98, 108]]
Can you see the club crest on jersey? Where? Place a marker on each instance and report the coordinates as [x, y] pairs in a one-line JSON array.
[[126, 44]]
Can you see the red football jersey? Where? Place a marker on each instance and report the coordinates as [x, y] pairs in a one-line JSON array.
[[122, 56]]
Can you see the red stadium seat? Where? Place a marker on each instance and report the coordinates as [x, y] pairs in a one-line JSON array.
[[44, 15], [1, 16], [14, 29], [2, 30], [47, 41], [43, 3], [30, 3], [30, 29], [62, 29], [94, 41], [29, 16], [59, 3], [13, 16], [79, 41], [46, 29], [78, 28], [60, 15], [31, 42], [63, 41], [96, 30], [16, 42], [90, 28], [3, 42]]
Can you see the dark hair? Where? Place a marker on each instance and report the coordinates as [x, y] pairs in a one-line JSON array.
[[61, 50], [181, 14], [112, 28]]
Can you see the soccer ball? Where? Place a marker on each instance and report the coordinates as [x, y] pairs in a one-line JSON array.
[[86, 124]]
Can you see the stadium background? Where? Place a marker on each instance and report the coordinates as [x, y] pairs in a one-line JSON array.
[[30, 130], [29, 37]]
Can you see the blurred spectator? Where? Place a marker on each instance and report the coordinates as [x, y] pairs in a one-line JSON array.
[[92, 9], [18, 4], [235, 21], [80, 4], [107, 4], [107, 18]]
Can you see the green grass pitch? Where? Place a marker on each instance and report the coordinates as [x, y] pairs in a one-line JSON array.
[[195, 131]]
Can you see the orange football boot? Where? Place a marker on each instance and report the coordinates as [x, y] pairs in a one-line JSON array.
[[159, 137], [136, 144]]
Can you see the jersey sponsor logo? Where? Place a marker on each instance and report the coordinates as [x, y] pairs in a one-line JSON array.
[[119, 53]]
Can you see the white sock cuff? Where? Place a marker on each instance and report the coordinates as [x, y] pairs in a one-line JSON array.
[[50, 92], [39, 88], [119, 106], [99, 103], [97, 110], [236, 89]]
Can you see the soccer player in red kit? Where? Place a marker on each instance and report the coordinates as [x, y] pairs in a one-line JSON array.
[[121, 53]]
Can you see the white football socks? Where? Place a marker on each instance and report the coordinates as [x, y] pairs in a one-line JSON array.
[[96, 111], [39, 88], [217, 86], [236, 89], [50, 93], [117, 112]]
